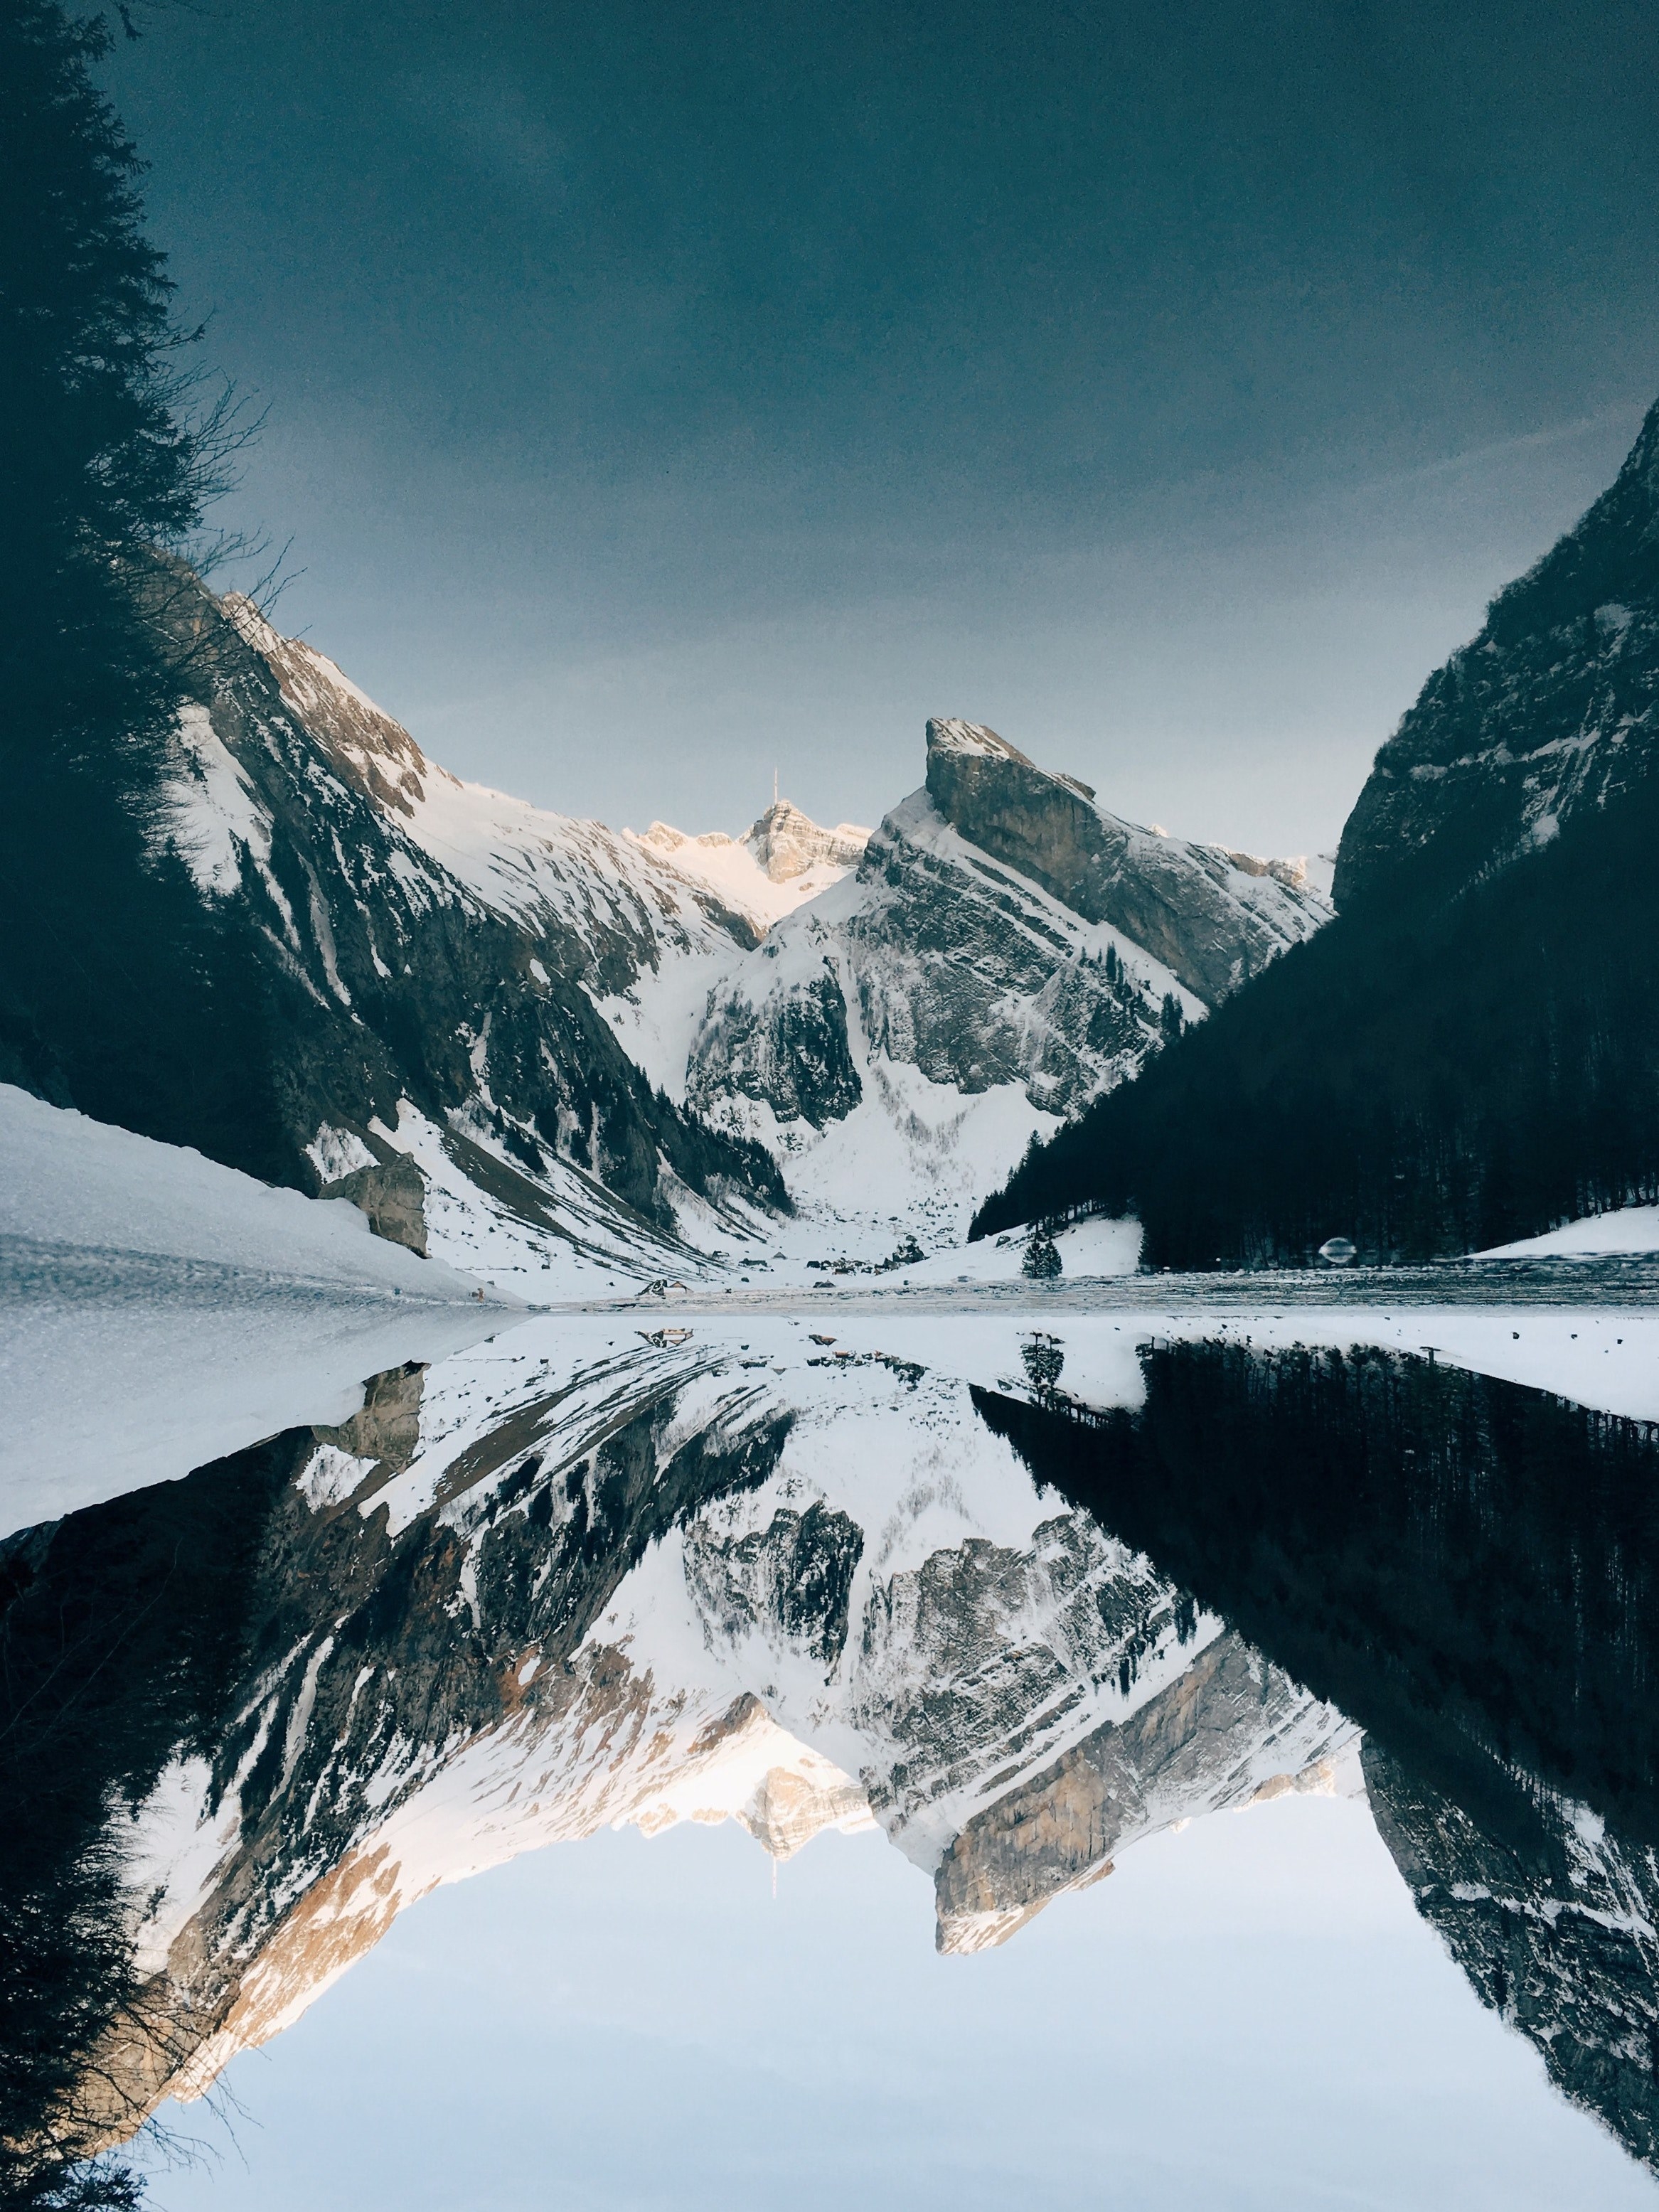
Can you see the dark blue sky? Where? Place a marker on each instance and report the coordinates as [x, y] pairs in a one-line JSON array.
[[658, 392]]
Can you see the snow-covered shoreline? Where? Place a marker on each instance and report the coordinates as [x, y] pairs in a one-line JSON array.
[[158, 1311]]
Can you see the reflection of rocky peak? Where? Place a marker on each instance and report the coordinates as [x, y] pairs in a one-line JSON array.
[[1557, 1928], [1214, 918], [787, 842], [1228, 1732], [1468, 1566]]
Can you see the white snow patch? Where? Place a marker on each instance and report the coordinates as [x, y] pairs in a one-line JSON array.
[[174, 1846], [213, 815], [1597, 1236], [335, 1153]]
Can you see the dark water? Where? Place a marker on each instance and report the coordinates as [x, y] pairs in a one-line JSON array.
[[1337, 1661]]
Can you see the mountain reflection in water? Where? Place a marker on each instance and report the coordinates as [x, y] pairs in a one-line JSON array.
[[1469, 1568], [562, 1582]]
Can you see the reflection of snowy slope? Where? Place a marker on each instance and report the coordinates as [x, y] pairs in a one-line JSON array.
[[569, 1579]]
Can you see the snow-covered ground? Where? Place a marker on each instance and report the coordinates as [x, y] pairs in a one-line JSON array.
[[563, 1238], [1626, 1229], [158, 1310], [65, 1179]]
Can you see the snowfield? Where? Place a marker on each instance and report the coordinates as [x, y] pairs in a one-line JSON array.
[[1626, 1229], [160, 1311]]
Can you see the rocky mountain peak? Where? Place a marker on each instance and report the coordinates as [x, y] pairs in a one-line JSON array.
[[786, 842], [1213, 917], [781, 860], [946, 733]]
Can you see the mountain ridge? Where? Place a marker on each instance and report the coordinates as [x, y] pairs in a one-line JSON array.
[[1469, 1056]]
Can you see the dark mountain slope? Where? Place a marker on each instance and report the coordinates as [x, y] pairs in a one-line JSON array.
[[1546, 716], [1470, 1053], [237, 946]]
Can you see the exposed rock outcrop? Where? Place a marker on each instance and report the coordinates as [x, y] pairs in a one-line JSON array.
[[1214, 918], [1228, 1731], [1551, 712], [787, 842]]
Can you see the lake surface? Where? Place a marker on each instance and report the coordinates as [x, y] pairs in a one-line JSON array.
[[1195, 1752]]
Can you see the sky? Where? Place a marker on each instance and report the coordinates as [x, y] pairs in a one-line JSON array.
[[1249, 2014], [658, 394]]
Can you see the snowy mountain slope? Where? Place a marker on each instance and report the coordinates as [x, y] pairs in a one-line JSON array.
[[782, 860], [612, 903], [563, 1581], [1213, 917], [424, 954], [898, 1042]]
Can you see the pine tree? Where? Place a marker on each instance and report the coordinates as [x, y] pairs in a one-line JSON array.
[[100, 460]]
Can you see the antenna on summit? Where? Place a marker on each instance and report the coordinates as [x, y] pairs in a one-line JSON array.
[[774, 787]]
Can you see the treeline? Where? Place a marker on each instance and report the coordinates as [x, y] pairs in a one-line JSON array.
[[109, 448], [1426, 1078]]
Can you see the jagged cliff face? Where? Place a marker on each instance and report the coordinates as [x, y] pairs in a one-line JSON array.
[[429, 955], [1006, 953], [1212, 917], [934, 959], [1549, 713], [526, 1595]]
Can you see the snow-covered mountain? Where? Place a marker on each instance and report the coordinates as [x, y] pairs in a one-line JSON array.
[[1005, 951], [781, 860], [891, 1016], [562, 1056], [563, 1582], [427, 956]]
